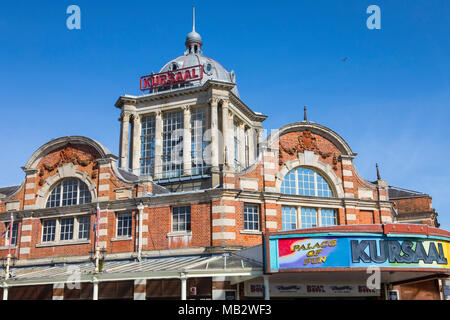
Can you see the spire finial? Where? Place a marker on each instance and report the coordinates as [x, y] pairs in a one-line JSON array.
[[193, 39], [378, 172], [193, 18], [304, 114]]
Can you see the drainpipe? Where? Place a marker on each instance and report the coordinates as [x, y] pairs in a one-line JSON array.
[[140, 207]]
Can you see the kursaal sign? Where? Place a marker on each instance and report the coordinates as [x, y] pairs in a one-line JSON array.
[[341, 251], [170, 78], [395, 252]]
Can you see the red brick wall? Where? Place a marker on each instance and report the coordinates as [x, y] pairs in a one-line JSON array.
[[410, 205]]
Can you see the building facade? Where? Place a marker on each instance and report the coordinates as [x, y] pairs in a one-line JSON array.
[[190, 206]]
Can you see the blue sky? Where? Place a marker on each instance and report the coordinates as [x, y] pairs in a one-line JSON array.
[[389, 100]]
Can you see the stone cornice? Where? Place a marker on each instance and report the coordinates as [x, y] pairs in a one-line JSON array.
[[189, 197], [136, 100], [245, 109]]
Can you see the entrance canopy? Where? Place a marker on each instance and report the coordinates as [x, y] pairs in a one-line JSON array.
[[150, 268]]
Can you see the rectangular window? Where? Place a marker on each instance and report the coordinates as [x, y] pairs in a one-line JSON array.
[[124, 224], [251, 217], [198, 144], [66, 229], [84, 225], [148, 146], [309, 217], [289, 218], [327, 217], [172, 144], [181, 218], [15, 229], [49, 231]]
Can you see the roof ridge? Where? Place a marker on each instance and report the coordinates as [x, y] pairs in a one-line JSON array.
[[408, 190]]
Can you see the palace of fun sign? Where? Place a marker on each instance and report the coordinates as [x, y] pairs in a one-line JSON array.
[[170, 78], [296, 252]]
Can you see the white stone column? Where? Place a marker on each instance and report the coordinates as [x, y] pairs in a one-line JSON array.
[[95, 290], [124, 139], [259, 133], [214, 133], [183, 288], [231, 137], [266, 288], [251, 146], [158, 144], [242, 145], [5, 293], [227, 142], [136, 144], [187, 159]]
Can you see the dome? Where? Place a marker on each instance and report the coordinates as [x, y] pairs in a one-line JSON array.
[[193, 37], [193, 56], [212, 70]]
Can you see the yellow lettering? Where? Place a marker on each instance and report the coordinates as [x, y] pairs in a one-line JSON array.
[[322, 259], [324, 244], [310, 253], [332, 243], [307, 261]]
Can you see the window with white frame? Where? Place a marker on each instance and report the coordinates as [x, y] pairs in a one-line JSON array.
[[172, 141], [327, 217], [306, 182], [49, 231], [148, 145], [84, 226], [124, 224], [289, 218], [15, 230], [66, 229], [251, 217], [181, 218], [305, 217], [69, 192], [198, 143]]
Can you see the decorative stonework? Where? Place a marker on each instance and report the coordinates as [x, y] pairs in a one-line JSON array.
[[67, 155], [67, 170], [305, 142]]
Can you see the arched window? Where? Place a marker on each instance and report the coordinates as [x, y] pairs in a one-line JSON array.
[[305, 182], [69, 192]]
